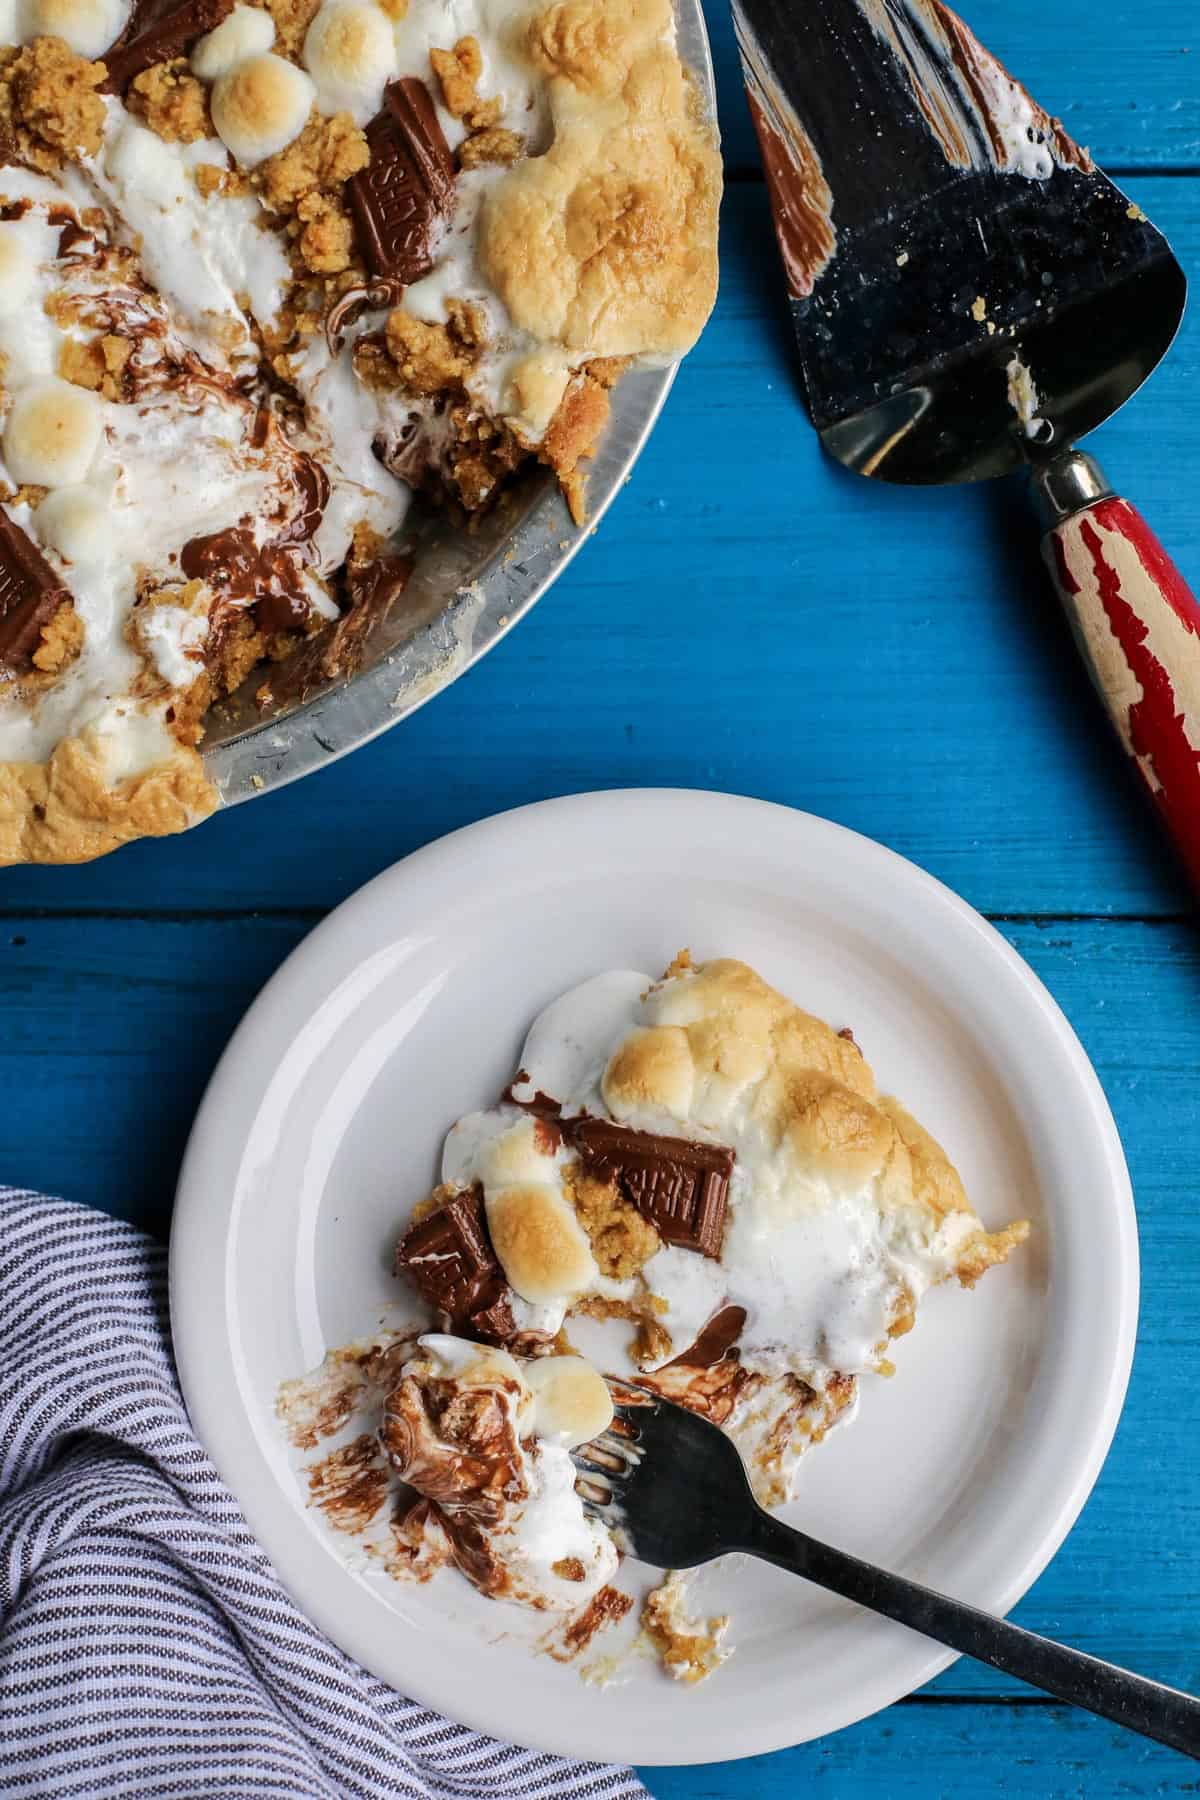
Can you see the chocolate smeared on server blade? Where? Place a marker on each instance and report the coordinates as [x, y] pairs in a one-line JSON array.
[[157, 32], [448, 1256], [30, 595], [405, 188], [680, 1186]]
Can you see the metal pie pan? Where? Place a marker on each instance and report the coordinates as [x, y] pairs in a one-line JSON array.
[[467, 589]]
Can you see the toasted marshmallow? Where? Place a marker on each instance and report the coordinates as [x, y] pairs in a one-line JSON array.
[[88, 27], [73, 522], [350, 52], [542, 1247], [536, 384], [18, 271], [571, 1401], [259, 106], [51, 433], [248, 31], [472, 1365]]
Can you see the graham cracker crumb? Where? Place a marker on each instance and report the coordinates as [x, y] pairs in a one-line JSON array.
[[326, 241], [680, 964], [429, 358], [30, 493], [494, 144], [292, 19], [372, 364], [303, 185], [568, 1568], [169, 99], [395, 9], [322, 158], [62, 640], [481, 455], [212, 180], [457, 71], [622, 1240], [49, 109], [98, 365]]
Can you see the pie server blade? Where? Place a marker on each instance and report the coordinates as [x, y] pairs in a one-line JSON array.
[[971, 295]]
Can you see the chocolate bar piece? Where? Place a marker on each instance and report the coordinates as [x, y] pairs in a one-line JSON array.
[[682, 1187], [448, 1256], [156, 32], [406, 187], [30, 595]]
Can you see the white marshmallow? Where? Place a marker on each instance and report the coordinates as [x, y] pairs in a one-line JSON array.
[[73, 522], [260, 106], [18, 271], [350, 52], [571, 1401], [168, 634], [51, 433], [248, 31], [89, 27]]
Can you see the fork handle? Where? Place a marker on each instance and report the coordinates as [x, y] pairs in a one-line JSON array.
[[1159, 1712]]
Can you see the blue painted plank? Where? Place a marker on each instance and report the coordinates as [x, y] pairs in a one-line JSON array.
[[750, 617], [1124, 78], [920, 1751], [112, 1027]]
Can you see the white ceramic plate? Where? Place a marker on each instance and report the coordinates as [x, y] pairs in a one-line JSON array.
[[322, 1126]]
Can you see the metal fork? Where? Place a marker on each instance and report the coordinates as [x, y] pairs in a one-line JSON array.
[[673, 1488]]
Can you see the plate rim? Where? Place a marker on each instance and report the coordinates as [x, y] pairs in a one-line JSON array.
[[191, 1230]]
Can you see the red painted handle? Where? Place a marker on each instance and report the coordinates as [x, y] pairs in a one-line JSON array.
[[1137, 624]]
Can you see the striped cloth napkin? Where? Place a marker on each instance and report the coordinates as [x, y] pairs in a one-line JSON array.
[[146, 1647]]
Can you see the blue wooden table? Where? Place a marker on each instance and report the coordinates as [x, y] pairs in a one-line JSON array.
[[750, 618]]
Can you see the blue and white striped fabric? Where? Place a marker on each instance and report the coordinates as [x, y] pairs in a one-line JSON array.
[[146, 1647]]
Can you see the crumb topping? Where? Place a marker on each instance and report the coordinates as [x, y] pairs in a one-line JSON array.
[[494, 144], [622, 1240], [169, 99], [303, 185], [49, 107], [62, 637]]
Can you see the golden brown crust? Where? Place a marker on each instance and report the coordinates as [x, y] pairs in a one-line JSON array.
[[64, 811], [608, 241]]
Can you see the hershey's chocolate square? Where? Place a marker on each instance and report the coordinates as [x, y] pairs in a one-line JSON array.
[[158, 31], [407, 185], [30, 595], [449, 1257], [681, 1186]]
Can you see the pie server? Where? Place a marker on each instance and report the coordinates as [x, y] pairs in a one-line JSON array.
[[970, 295]]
